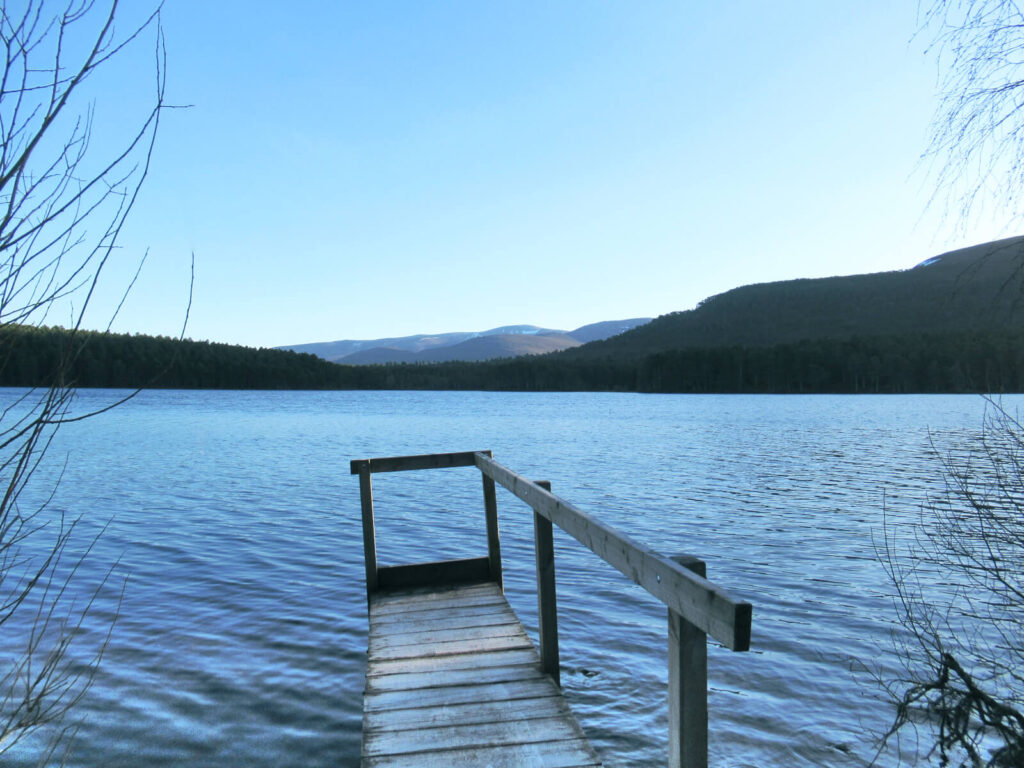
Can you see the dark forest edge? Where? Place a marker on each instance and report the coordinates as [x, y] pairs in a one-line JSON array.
[[966, 362]]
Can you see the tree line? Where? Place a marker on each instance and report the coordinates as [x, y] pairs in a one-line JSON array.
[[42, 356], [908, 363]]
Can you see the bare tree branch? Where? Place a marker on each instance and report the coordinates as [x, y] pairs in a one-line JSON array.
[[62, 211], [959, 584], [976, 150]]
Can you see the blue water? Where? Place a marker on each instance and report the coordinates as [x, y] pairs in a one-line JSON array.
[[232, 525]]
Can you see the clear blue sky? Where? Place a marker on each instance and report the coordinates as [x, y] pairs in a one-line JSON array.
[[370, 169]]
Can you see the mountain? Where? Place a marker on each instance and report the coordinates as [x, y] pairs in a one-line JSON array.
[[980, 288], [336, 350], [470, 350], [951, 324], [504, 341], [605, 330]]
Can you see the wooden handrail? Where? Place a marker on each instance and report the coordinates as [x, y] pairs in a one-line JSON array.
[[421, 461], [696, 606], [705, 605], [377, 576]]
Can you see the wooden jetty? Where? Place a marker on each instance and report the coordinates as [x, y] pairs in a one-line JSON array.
[[452, 678]]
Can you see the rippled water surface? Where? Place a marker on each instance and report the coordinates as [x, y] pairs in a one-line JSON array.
[[241, 633]]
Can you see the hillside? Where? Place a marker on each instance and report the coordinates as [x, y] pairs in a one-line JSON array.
[[974, 289], [952, 324], [954, 362]]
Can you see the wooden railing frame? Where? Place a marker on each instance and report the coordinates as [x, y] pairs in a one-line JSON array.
[[547, 604], [447, 571], [696, 607]]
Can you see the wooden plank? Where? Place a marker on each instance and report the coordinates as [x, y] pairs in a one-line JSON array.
[[475, 616], [386, 646], [547, 605], [438, 605], [436, 597], [438, 572], [552, 705], [369, 537], [491, 519], [687, 687], [455, 647], [575, 753], [378, 683], [460, 661], [432, 591], [421, 461], [705, 605], [501, 732], [426, 638], [408, 612], [444, 695], [502, 638]]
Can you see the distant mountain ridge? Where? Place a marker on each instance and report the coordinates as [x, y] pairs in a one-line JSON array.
[[504, 341]]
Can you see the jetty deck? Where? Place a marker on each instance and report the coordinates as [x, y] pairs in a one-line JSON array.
[[453, 679]]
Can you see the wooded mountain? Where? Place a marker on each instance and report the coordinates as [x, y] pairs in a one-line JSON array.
[[973, 289], [505, 341], [952, 324]]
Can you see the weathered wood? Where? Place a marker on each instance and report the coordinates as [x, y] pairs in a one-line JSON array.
[[477, 616], [515, 657], [471, 714], [478, 645], [705, 605], [423, 641], [439, 692], [547, 605], [459, 736], [687, 686], [442, 694], [692, 563], [421, 461], [493, 540], [556, 754], [422, 638], [404, 681], [369, 537], [428, 594], [478, 600], [440, 572]]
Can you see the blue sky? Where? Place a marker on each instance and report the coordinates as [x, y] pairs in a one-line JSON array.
[[361, 170]]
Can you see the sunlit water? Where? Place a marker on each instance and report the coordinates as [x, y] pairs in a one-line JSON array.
[[241, 634]]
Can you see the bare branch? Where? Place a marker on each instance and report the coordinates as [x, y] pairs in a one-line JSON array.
[[976, 153], [959, 596], [62, 211]]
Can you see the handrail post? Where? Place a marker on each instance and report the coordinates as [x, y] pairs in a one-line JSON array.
[[369, 536], [687, 685], [547, 613], [493, 540]]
